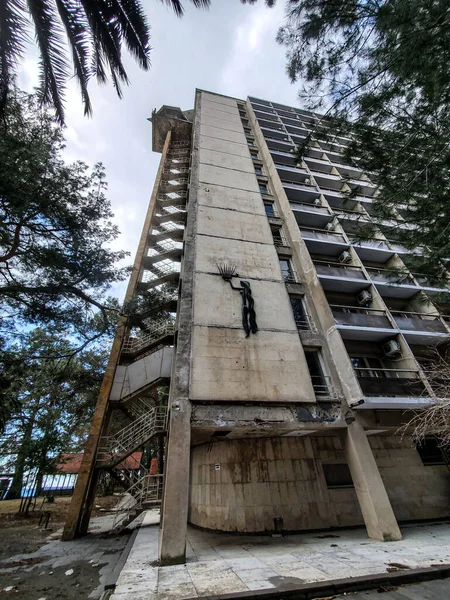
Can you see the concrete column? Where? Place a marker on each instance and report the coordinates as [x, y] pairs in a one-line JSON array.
[[174, 513], [375, 506]]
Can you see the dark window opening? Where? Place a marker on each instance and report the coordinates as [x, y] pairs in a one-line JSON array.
[[286, 269], [258, 171], [337, 475], [318, 379], [430, 452], [300, 316], [221, 433], [263, 188], [268, 207]]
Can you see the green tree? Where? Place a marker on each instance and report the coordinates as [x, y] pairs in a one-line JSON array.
[[383, 66], [54, 401], [55, 228], [88, 33]]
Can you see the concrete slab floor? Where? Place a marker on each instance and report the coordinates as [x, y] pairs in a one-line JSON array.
[[226, 563]]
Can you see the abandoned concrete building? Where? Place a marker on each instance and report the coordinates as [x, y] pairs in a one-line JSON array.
[[293, 357]]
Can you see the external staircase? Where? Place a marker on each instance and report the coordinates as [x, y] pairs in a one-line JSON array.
[[146, 356], [143, 494], [116, 447]]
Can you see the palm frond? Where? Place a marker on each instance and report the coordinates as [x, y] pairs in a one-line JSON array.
[[53, 65], [13, 34], [77, 32], [178, 7], [269, 3], [134, 29], [106, 34]]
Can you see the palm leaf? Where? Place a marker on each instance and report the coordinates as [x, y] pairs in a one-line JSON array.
[[106, 34], [134, 29], [77, 32], [53, 64], [13, 34], [177, 5]]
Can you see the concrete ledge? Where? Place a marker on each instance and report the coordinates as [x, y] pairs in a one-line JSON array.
[[333, 587]]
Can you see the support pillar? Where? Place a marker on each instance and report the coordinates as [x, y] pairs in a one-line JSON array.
[[174, 514], [375, 505]]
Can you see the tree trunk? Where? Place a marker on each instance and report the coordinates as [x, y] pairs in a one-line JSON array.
[[15, 490]]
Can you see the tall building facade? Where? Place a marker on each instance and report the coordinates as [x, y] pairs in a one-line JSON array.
[[294, 356]]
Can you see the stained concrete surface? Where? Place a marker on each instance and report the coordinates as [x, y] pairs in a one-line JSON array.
[[430, 590], [226, 563], [60, 570]]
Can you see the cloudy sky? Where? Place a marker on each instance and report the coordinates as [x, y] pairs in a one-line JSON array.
[[229, 49]]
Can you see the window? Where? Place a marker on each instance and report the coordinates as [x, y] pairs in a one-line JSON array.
[[318, 379], [268, 207], [258, 171], [263, 188], [337, 475], [430, 452], [368, 366], [286, 269], [300, 316], [254, 153]]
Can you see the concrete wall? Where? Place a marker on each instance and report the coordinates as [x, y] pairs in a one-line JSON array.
[[261, 479], [415, 491], [232, 228]]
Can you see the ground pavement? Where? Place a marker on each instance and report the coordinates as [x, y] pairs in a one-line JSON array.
[[225, 563]]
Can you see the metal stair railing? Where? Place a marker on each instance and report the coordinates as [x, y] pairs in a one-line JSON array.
[[174, 171], [155, 332], [171, 210], [147, 489], [166, 246], [135, 434], [157, 271]]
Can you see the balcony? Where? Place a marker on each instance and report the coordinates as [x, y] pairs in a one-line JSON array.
[[277, 144], [421, 328], [283, 158], [292, 174], [374, 250], [337, 277], [387, 386], [300, 193], [357, 323], [309, 215], [393, 284], [322, 241]]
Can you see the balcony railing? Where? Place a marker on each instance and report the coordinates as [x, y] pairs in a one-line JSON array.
[[304, 323], [290, 276], [360, 317], [419, 321], [395, 277], [322, 386], [390, 382], [315, 233], [337, 269]]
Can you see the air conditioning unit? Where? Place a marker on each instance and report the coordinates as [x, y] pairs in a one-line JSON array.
[[330, 227], [392, 348], [363, 297], [307, 181], [317, 202], [345, 257]]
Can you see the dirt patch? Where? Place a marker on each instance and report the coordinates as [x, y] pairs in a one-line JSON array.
[[51, 584], [10, 517], [24, 539]]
